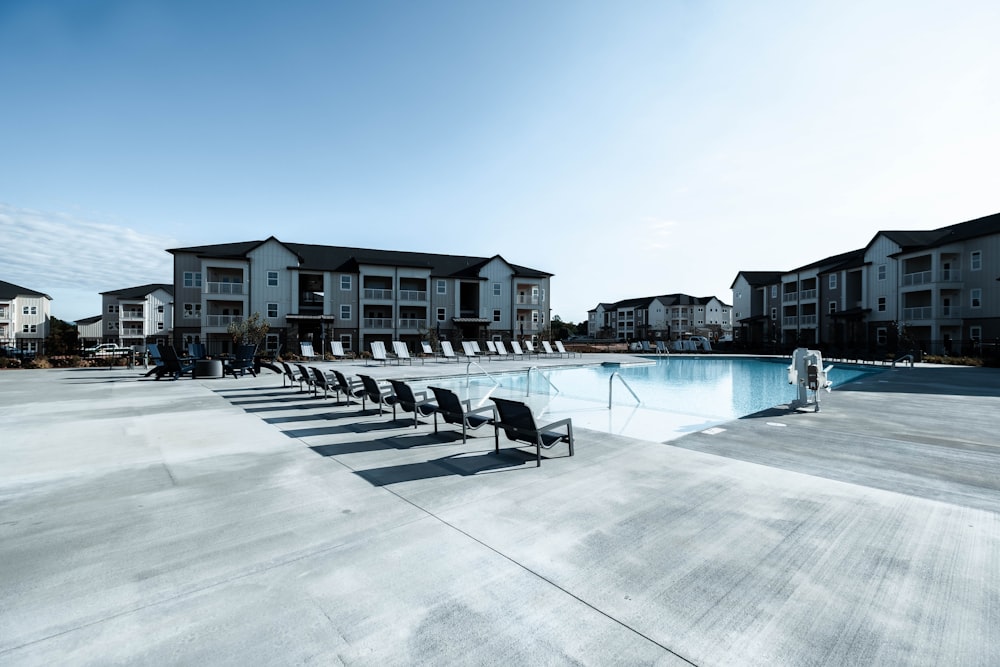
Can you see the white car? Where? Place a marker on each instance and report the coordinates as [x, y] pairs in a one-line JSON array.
[[104, 349]]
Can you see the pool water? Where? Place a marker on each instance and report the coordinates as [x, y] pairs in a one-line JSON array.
[[676, 395]]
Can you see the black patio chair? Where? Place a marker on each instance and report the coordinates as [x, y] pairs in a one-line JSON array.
[[321, 381], [376, 394], [243, 361], [518, 423], [172, 364], [407, 400], [347, 388], [456, 411]]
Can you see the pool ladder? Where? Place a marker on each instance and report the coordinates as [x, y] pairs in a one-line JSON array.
[[548, 381], [611, 386]]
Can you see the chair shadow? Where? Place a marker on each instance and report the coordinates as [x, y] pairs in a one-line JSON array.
[[463, 465]]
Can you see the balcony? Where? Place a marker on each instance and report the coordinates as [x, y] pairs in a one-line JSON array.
[[807, 294], [807, 320], [921, 313], [790, 321], [790, 296], [221, 321], [230, 289], [412, 323], [378, 322], [525, 299], [412, 295], [132, 315], [378, 294], [131, 332]]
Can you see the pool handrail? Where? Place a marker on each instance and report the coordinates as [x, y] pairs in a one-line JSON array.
[[468, 368], [638, 401], [528, 381]]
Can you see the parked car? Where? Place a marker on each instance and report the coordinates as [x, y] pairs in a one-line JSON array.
[[16, 353], [104, 349]]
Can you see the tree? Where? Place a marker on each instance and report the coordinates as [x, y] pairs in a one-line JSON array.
[[249, 331], [63, 338]]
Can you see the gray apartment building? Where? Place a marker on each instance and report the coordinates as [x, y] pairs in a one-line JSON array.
[[320, 293], [937, 291]]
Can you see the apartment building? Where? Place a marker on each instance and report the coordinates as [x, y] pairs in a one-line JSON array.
[[666, 317], [24, 317], [136, 315], [936, 289], [322, 293]]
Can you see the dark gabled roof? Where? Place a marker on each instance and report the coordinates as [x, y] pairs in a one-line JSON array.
[[140, 291], [348, 260], [759, 278], [11, 291], [89, 320], [909, 241], [827, 263], [675, 299]]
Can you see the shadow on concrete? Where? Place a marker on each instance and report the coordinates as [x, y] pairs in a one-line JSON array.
[[463, 465]]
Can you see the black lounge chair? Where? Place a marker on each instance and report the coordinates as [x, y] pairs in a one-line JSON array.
[[196, 351], [305, 377], [405, 398], [378, 395], [243, 361], [517, 421], [288, 375], [154, 356], [321, 381], [172, 363], [456, 411], [348, 389]]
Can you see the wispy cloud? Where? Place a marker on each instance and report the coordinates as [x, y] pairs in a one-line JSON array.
[[658, 232], [47, 251]]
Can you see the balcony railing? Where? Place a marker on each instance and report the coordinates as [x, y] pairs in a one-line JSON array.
[[131, 331], [807, 320], [412, 323], [807, 294], [951, 312], [224, 288], [950, 276], [790, 321], [921, 313], [222, 320], [412, 295], [132, 315], [534, 300], [790, 296], [379, 294], [378, 323]]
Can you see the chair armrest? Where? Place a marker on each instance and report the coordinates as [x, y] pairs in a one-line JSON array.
[[557, 424]]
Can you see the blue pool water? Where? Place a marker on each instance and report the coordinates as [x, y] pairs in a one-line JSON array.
[[676, 395]]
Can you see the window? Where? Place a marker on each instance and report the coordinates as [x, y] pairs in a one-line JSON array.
[[976, 334], [192, 311], [440, 315], [271, 342], [976, 260], [159, 325], [881, 304], [345, 283], [345, 340], [192, 279], [977, 297], [159, 309], [542, 297], [29, 328], [881, 336], [774, 291], [496, 289], [496, 315], [442, 287], [272, 311], [774, 313], [272, 278], [833, 281], [345, 311], [111, 309], [880, 271], [832, 307]]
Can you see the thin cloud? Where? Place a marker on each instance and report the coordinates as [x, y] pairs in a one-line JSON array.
[[48, 251]]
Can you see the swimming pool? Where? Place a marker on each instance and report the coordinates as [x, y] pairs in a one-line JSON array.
[[659, 400]]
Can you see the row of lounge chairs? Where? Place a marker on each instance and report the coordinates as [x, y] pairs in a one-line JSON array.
[[470, 350], [514, 418]]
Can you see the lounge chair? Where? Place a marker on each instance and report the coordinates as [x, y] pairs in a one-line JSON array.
[[153, 351], [549, 351], [426, 351], [661, 347], [529, 349], [408, 401], [321, 381], [469, 349], [305, 378], [378, 352], [491, 348], [402, 352], [563, 351], [289, 375], [347, 388], [516, 351], [307, 350], [172, 364], [502, 349], [456, 411], [337, 350], [376, 394], [447, 351], [243, 361], [518, 423]]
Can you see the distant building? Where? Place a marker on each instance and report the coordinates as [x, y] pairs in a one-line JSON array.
[[665, 317], [136, 315], [24, 317], [936, 291], [89, 330], [353, 295]]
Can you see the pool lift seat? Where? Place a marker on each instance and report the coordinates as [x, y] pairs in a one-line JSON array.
[[806, 372]]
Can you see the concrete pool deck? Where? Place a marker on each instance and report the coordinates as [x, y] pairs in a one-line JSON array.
[[234, 521]]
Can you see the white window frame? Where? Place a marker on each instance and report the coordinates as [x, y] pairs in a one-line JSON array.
[[272, 341], [774, 291], [272, 279], [346, 282], [345, 312], [191, 313], [774, 313], [881, 271], [881, 304], [976, 298], [881, 335], [272, 310], [497, 315], [833, 281], [192, 279], [442, 314], [347, 341], [831, 308], [497, 289], [976, 333], [976, 260]]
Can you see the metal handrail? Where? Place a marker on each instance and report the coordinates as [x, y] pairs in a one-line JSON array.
[[528, 381], [905, 356], [638, 401], [468, 377]]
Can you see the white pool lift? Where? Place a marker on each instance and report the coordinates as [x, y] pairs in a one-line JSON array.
[[807, 373]]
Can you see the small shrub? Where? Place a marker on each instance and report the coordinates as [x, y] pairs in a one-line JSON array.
[[9, 362], [952, 361], [37, 362]]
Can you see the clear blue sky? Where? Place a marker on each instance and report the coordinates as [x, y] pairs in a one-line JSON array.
[[631, 149]]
